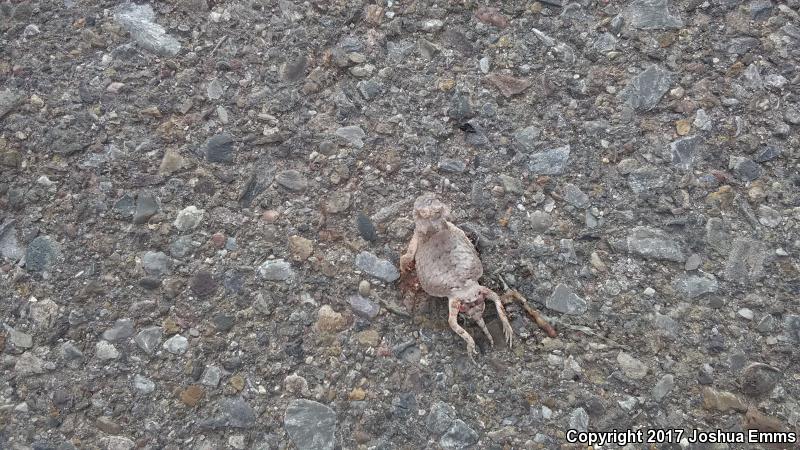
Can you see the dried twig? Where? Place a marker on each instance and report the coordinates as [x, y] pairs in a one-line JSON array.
[[511, 295]]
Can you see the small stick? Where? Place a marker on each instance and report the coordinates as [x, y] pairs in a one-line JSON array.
[[535, 315]]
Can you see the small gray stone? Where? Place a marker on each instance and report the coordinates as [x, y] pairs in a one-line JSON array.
[[745, 169], [645, 90], [663, 387], [651, 15], [540, 221], [70, 352], [146, 207], [766, 324], [575, 197], [693, 262], [693, 286], [440, 418], [512, 185], [9, 245], [702, 121], [18, 339], [292, 180], [684, 151], [42, 254], [746, 261], [563, 300], [176, 345], [148, 339], [219, 148], [116, 443], [310, 425], [363, 307], [647, 179], [122, 329], [353, 134], [125, 206], [211, 376], [139, 21], [156, 264], [105, 350], [366, 228], [759, 379], [760, 9], [792, 327], [9, 101], [370, 89], [379, 268], [549, 162], [231, 413], [579, 420], [631, 367], [404, 404], [768, 153], [189, 218], [276, 270], [768, 216], [652, 243], [460, 107], [525, 139], [459, 436], [452, 165], [214, 90], [29, 364], [143, 385]]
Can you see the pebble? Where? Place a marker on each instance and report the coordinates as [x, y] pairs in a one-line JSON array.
[[140, 22], [746, 261], [214, 90], [440, 418], [745, 169], [156, 263], [575, 197], [329, 321], [652, 243], [300, 247], [192, 395], [663, 387], [203, 284], [104, 350], [276, 270], [219, 148], [148, 339], [458, 436], [768, 216], [651, 15], [382, 269], [768, 153], [549, 162], [563, 300], [693, 262], [631, 367], [526, 138], [645, 90], [231, 413], [122, 329], [363, 307], [172, 162], [116, 443], [507, 85], [353, 135], [143, 385], [540, 221], [759, 379], [108, 426], [42, 254], [366, 228], [363, 288], [693, 286], [684, 151], [370, 338], [211, 376], [176, 345], [511, 184], [310, 425], [29, 364], [70, 352], [579, 420], [292, 180], [338, 202], [146, 207], [746, 313], [189, 218], [722, 401]]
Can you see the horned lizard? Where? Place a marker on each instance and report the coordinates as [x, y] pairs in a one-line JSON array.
[[447, 265]]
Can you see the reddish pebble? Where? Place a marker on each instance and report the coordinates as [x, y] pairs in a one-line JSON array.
[[218, 239], [270, 216]]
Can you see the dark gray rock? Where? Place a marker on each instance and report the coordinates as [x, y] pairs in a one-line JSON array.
[[366, 228], [310, 425], [149, 338], [525, 139], [647, 179], [760, 9], [693, 286], [575, 197], [452, 165], [565, 301], [746, 261], [231, 413], [652, 243], [156, 264], [768, 153], [685, 151], [645, 90], [663, 387], [122, 329], [379, 268], [219, 148], [42, 254], [353, 135], [363, 307], [440, 418], [459, 436], [9, 101], [549, 162], [740, 45], [745, 169], [182, 246], [759, 379], [579, 420], [139, 21], [146, 207], [460, 107], [125, 206], [292, 180], [792, 327], [404, 404], [651, 15], [18, 340]]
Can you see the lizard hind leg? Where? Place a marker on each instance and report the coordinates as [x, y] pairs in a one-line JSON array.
[[452, 319]]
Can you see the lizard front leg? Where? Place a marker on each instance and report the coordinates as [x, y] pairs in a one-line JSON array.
[[407, 260]]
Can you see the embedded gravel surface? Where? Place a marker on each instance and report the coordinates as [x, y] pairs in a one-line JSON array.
[[203, 204]]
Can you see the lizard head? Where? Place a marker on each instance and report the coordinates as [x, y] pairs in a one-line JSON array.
[[430, 215]]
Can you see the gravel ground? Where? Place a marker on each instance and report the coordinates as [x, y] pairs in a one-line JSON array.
[[203, 204]]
